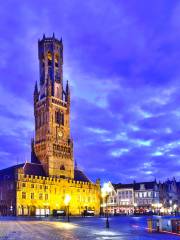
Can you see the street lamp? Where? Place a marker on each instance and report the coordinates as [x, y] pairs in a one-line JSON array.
[[106, 189], [170, 206], [11, 209], [175, 206], [67, 201], [135, 206]]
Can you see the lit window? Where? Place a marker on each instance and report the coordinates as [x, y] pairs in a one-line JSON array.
[[49, 59], [40, 196], [32, 195], [46, 196], [56, 60], [23, 195]]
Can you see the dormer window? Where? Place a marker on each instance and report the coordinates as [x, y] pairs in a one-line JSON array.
[[142, 187]]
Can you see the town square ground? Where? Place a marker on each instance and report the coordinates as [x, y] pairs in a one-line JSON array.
[[89, 228]]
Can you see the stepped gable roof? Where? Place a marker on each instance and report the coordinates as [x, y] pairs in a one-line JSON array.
[[122, 186], [33, 169], [80, 176]]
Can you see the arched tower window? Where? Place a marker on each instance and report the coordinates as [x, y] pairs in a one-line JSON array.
[[62, 167], [56, 60], [42, 60], [57, 92], [59, 117], [42, 69], [49, 56]]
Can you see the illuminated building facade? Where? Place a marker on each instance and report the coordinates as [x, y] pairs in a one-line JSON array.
[[133, 198], [40, 187]]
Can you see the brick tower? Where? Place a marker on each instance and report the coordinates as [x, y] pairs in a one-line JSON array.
[[52, 145]]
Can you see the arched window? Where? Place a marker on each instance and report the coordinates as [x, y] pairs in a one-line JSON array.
[[62, 167], [56, 60], [59, 117], [57, 92], [49, 56], [42, 60]]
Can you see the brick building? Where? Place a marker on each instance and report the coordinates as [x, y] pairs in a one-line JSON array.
[[40, 186]]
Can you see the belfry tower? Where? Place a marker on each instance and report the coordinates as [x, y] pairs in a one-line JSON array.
[[52, 145]]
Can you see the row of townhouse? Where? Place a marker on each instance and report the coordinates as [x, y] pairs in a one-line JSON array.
[[142, 197]]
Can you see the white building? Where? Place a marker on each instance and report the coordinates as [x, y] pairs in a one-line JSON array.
[[129, 198]]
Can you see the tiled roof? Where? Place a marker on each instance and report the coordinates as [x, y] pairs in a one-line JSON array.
[[135, 186], [28, 168], [37, 170], [147, 185], [10, 171], [80, 176], [33, 169], [122, 186]]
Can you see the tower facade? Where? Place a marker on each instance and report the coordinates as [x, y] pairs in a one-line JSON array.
[[52, 145]]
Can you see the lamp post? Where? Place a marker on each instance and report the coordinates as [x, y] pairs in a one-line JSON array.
[[175, 206], [67, 201], [135, 206], [170, 206], [106, 190], [11, 209]]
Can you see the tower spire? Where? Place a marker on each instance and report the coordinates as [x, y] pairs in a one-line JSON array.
[[76, 166], [67, 97], [36, 88], [36, 93]]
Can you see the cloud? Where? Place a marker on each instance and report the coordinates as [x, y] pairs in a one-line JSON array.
[[122, 61]]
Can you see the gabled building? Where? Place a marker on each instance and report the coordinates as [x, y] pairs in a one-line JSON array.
[[169, 194], [135, 197], [146, 196], [40, 187], [124, 198]]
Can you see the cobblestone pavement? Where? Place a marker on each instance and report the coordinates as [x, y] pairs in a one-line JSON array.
[[121, 228]]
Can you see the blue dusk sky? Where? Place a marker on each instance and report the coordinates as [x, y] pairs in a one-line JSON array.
[[122, 59]]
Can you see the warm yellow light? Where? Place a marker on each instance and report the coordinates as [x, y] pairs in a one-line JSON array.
[[159, 205], [162, 210], [67, 199], [175, 206], [106, 189]]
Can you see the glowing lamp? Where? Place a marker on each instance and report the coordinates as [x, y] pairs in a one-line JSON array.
[[67, 199]]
